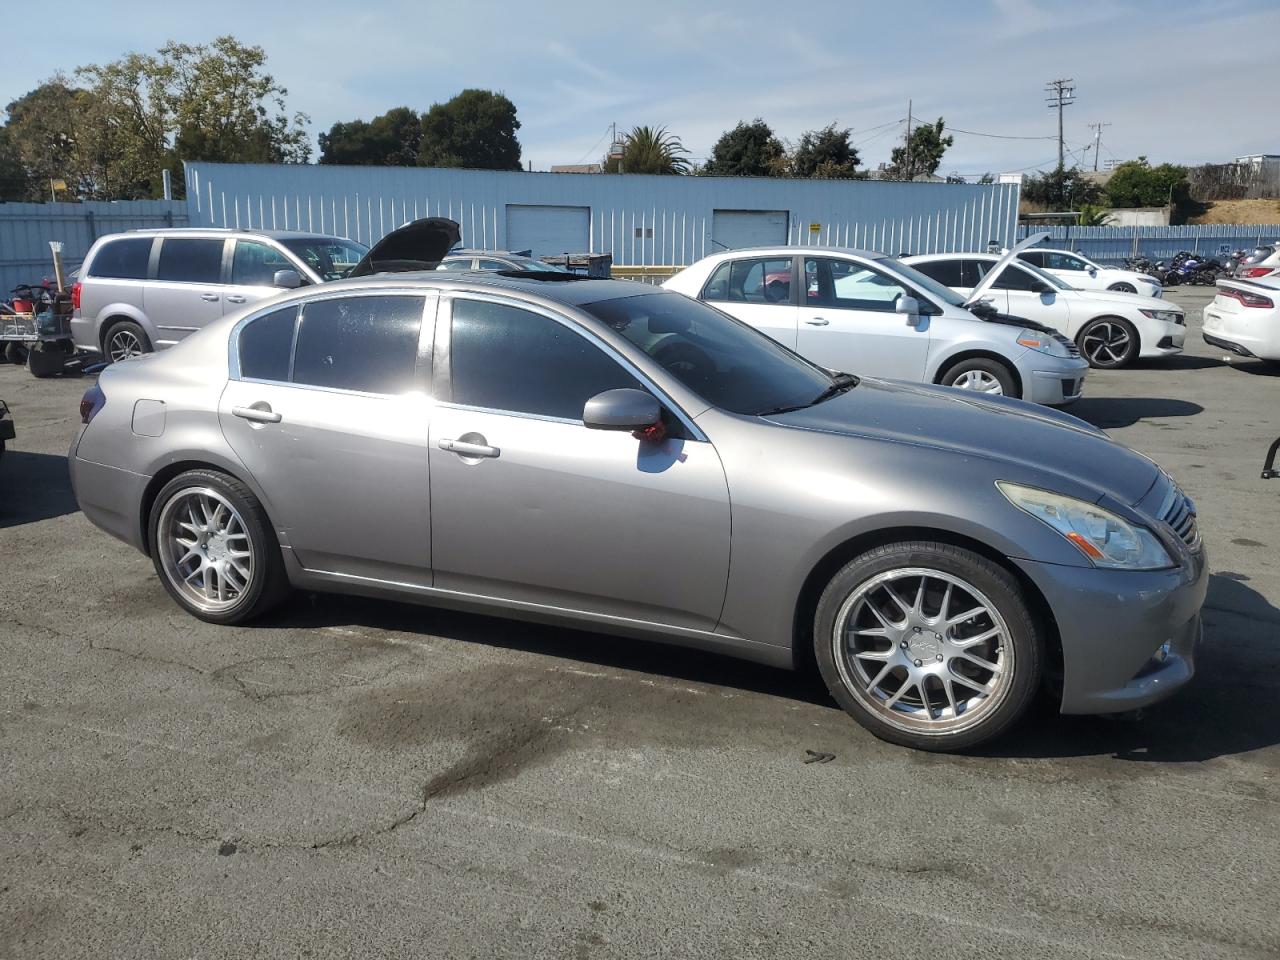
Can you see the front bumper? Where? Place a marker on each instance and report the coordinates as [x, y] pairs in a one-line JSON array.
[[1129, 638], [1057, 386]]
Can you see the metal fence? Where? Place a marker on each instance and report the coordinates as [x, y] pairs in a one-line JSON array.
[[27, 228], [1114, 244]]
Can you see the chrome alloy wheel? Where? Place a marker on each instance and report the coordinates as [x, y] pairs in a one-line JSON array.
[[123, 344], [979, 380], [923, 650], [1105, 344], [205, 550]]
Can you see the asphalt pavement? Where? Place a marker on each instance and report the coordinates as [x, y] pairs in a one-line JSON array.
[[354, 778]]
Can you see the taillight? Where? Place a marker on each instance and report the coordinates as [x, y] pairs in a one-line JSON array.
[[1246, 298], [75, 295], [92, 401], [1255, 271]]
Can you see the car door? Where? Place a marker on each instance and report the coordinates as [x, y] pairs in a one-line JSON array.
[[327, 406], [253, 271], [1029, 299], [187, 290], [849, 321], [962, 275], [530, 506], [758, 291]]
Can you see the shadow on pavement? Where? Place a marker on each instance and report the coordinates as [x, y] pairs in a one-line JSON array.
[[33, 487], [1180, 361], [1106, 412], [1258, 368]]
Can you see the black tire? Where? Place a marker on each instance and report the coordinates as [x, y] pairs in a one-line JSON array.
[[118, 335], [15, 353], [1023, 652], [267, 584], [982, 367], [1123, 287], [46, 360], [1108, 343]]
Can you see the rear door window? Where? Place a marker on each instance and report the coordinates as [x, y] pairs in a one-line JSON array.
[[946, 272], [266, 345], [123, 259], [760, 280], [368, 344], [1034, 257], [190, 260]]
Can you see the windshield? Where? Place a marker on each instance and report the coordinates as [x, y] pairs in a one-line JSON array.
[[329, 257], [925, 283], [1044, 275], [729, 364]]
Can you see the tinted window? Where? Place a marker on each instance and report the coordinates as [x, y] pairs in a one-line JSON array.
[[329, 257], [751, 281], [255, 264], [727, 363], [359, 343], [122, 259], [1015, 278], [265, 345], [946, 272], [1033, 256], [505, 358], [494, 265], [1062, 261], [190, 261]]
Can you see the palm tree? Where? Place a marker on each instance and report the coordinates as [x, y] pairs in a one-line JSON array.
[[650, 150], [1092, 215]]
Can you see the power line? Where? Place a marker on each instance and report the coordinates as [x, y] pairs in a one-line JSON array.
[[995, 136]]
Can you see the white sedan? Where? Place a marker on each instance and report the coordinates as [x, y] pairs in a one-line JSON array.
[[1245, 319], [1111, 329], [1081, 272]]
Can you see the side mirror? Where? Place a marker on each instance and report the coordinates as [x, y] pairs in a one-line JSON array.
[[288, 279], [1093, 271], [910, 308], [623, 409]]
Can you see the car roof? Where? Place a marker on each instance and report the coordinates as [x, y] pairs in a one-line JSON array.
[[232, 232], [565, 288], [956, 254], [473, 252], [791, 251]]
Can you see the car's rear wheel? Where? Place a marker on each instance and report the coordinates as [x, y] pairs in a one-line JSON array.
[[214, 549], [125, 339], [1123, 287], [928, 645], [982, 375], [1108, 342]]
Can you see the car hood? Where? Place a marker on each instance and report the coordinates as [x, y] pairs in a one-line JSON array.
[[1132, 300], [419, 245], [1115, 273], [1035, 438]]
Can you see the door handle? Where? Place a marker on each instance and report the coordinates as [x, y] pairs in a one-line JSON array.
[[209, 297], [258, 414], [234, 298], [818, 322], [464, 449]]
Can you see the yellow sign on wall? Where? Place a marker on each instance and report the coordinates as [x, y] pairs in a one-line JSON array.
[[815, 228]]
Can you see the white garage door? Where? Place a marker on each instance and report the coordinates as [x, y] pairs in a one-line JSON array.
[[748, 228], [548, 231]]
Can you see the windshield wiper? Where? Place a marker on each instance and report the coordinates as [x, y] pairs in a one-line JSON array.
[[839, 384]]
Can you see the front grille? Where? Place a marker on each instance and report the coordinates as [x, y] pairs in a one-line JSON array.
[[1072, 349], [1180, 515]]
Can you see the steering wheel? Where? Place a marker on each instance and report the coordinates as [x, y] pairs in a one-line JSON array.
[[685, 360]]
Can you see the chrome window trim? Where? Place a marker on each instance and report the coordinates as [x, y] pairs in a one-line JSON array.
[[445, 321]]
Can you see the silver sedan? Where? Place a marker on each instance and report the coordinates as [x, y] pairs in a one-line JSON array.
[[604, 455]]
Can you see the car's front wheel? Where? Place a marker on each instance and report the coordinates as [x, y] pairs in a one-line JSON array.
[[1123, 287], [214, 548], [928, 645], [1108, 342], [981, 375]]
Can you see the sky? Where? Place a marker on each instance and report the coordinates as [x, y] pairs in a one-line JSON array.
[[1177, 81]]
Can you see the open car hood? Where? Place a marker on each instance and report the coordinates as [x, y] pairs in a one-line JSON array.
[[981, 289], [419, 245]]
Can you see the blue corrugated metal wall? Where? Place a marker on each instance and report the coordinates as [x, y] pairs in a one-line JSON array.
[[641, 220], [1114, 244], [27, 228]]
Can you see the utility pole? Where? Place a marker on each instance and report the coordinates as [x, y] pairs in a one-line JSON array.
[[1097, 141], [911, 174], [1061, 94]]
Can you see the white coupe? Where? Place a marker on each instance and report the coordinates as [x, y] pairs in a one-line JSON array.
[[1081, 272]]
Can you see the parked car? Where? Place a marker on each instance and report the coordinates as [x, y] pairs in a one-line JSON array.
[[1243, 317], [870, 314], [7, 431], [146, 290], [494, 260], [1081, 272], [607, 455], [1111, 329], [1262, 261]]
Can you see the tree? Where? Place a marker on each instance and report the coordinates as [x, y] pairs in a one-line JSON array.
[[825, 153], [45, 137], [392, 139], [1136, 183], [1067, 189], [748, 150], [1092, 215], [476, 129], [14, 182], [920, 155], [649, 150]]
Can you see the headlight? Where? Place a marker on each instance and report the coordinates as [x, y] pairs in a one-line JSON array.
[[1043, 342], [1151, 280], [1165, 316], [1099, 534]]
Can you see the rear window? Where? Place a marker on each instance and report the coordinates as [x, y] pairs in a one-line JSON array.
[[266, 344], [188, 260], [124, 259]]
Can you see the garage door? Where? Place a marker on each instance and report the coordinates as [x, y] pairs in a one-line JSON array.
[[548, 231], [748, 228]]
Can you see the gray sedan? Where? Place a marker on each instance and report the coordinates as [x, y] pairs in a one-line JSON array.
[[602, 455]]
